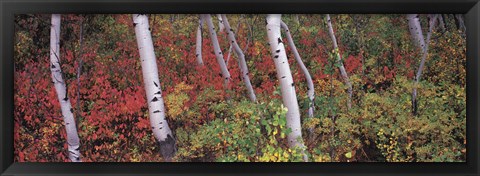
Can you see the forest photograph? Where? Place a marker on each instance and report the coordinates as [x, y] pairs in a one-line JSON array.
[[240, 88]]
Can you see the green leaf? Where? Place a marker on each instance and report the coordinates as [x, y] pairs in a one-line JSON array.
[[348, 155]]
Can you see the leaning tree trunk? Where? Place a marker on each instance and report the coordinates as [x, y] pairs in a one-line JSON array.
[[416, 31], [156, 108], [57, 78], [217, 50], [311, 90], [221, 26], [339, 62], [241, 59], [287, 87], [460, 23], [198, 49], [432, 23]]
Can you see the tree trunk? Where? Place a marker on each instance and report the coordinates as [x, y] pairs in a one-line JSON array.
[[311, 90], [441, 22], [198, 49], [339, 62], [217, 50], [461, 23], [221, 26], [241, 59], [432, 23], [416, 31], [156, 108], [287, 87], [57, 78]]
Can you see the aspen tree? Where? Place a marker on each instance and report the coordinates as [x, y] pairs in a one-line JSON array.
[[156, 107], [311, 90], [198, 44], [216, 49], [60, 87], [287, 86], [242, 64], [343, 72], [416, 31], [221, 26], [413, 22]]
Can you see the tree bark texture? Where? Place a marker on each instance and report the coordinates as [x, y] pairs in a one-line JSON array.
[[156, 107], [343, 72], [287, 86], [60, 87]]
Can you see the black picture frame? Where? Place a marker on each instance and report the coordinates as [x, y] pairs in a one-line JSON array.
[[471, 9]]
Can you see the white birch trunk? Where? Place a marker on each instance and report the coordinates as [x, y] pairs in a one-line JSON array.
[[217, 50], [311, 90], [67, 111], [221, 26], [432, 23], [287, 87], [416, 31], [343, 72], [198, 49], [242, 64], [156, 108]]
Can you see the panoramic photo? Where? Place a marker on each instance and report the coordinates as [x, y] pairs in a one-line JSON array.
[[240, 88]]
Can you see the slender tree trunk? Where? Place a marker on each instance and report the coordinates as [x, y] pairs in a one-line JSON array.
[[343, 72], [287, 87], [311, 90], [60, 87], [416, 31], [156, 108], [242, 64], [216, 48], [198, 49], [461, 23], [432, 23], [441, 22], [221, 26]]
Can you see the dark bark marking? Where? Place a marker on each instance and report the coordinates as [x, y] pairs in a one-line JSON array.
[[276, 56], [154, 99], [277, 51], [283, 76], [156, 85], [279, 40], [157, 111]]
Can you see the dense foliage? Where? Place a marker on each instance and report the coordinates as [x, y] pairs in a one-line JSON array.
[[214, 124]]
